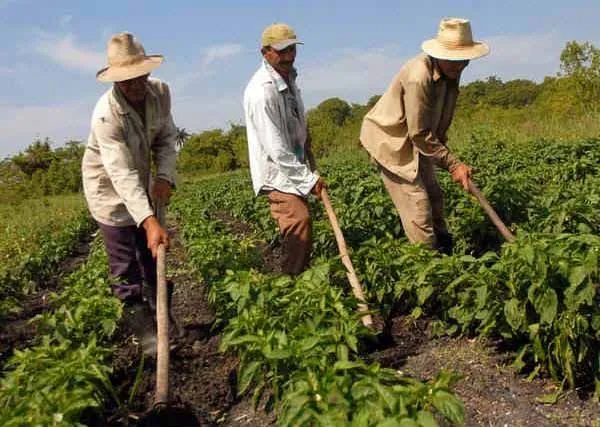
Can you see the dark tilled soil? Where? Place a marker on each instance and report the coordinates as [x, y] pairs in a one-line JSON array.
[[16, 332], [202, 380], [493, 393], [270, 252]]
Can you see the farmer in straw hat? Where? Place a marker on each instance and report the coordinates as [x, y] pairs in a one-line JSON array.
[[281, 162], [406, 131], [131, 124]]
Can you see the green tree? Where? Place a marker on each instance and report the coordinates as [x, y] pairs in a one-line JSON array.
[[182, 136], [325, 122], [208, 152], [580, 62], [37, 156], [557, 97], [40, 171], [64, 173], [517, 93], [348, 135], [372, 101], [494, 92], [239, 144]]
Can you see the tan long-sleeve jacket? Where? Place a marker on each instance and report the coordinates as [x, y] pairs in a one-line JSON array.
[[412, 117], [116, 166]]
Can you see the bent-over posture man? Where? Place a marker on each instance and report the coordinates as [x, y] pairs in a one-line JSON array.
[[406, 131], [131, 125], [279, 145]]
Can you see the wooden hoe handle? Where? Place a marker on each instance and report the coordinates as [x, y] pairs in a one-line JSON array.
[[162, 321], [503, 229], [339, 237]]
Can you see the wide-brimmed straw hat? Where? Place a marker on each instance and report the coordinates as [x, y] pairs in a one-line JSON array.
[[279, 36], [454, 42], [127, 59]]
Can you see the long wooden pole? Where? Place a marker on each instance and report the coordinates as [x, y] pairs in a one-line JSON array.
[[339, 237], [503, 229], [162, 323]]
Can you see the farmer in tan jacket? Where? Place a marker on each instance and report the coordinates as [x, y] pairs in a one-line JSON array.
[[406, 131], [131, 125]]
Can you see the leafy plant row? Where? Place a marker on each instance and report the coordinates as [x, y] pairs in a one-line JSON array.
[[298, 338], [544, 186], [46, 246], [64, 378], [540, 294]]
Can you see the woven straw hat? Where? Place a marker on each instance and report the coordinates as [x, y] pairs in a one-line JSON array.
[[127, 59], [279, 36], [454, 42]]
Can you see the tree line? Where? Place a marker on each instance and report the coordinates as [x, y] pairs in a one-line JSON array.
[[40, 170], [334, 125]]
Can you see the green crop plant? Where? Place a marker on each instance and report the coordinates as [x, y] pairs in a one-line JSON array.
[[37, 235], [284, 328], [65, 376]]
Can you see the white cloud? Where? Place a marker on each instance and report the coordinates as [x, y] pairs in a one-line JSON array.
[[220, 52], [204, 67], [22, 124], [202, 113], [353, 75], [65, 51], [357, 74], [530, 56], [61, 122]]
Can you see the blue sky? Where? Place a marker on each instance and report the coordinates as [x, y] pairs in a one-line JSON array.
[[51, 50]]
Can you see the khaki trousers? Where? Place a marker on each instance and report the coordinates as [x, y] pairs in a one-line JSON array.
[[420, 203], [293, 217]]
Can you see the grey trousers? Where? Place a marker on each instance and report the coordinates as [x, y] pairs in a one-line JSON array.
[[130, 261]]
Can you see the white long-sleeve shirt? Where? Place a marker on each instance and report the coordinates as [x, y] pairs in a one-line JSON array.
[[277, 132]]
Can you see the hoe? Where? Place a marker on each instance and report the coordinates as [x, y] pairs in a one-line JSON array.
[[162, 324], [339, 237], [491, 213]]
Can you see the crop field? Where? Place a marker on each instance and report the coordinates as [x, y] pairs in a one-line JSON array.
[[295, 348], [538, 295], [36, 235], [500, 327]]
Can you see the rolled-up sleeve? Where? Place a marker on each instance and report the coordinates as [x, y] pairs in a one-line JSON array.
[[163, 146], [420, 108], [120, 168], [276, 143]]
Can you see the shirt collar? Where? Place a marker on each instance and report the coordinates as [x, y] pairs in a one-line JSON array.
[[121, 104], [436, 72], [276, 77]]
